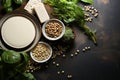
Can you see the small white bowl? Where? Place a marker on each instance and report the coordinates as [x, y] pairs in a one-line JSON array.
[[53, 38], [42, 61]]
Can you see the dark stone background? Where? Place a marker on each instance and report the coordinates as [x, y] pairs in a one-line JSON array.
[[102, 62]]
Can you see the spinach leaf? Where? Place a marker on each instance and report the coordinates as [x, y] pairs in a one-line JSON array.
[[11, 57], [88, 1], [22, 66]]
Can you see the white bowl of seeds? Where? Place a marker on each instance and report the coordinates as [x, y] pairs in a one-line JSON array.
[[53, 29], [41, 53]]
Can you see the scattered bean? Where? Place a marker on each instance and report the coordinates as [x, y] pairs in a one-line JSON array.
[[57, 64], [83, 50], [71, 55], [62, 71], [78, 51], [69, 76], [54, 62], [64, 55], [58, 72], [88, 47]]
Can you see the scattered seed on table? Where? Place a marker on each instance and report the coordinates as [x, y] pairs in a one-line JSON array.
[[62, 71], [64, 55], [92, 12], [71, 55], [87, 15], [96, 14], [78, 51], [58, 72], [83, 50], [96, 10], [86, 48], [54, 62], [87, 19], [57, 64], [92, 7], [69, 76]]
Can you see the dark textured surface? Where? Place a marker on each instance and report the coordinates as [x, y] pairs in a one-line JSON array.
[[102, 62]]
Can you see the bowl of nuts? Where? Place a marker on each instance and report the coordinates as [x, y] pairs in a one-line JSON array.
[[41, 53], [53, 29]]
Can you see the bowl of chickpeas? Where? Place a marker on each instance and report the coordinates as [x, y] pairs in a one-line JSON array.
[[53, 29], [42, 52]]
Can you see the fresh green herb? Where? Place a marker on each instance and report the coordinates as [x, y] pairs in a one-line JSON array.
[[87, 1], [90, 33], [69, 12], [18, 1], [13, 65], [10, 5], [69, 35]]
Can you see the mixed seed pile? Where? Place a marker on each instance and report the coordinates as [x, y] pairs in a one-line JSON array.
[[53, 29], [41, 52]]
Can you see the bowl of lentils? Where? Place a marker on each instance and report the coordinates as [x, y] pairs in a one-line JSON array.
[[42, 52], [53, 29]]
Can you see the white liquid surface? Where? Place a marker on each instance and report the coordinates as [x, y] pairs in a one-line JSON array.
[[18, 32]]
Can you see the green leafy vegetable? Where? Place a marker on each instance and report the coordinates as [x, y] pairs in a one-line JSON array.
[[10, 5], [69, 12], [7, 3], [13, 65], [74, 1], [11, 57], [69, 35], [87, 1], [18, 1]]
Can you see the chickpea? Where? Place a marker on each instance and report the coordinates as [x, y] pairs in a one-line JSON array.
[[41, 52], [53, 29]]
